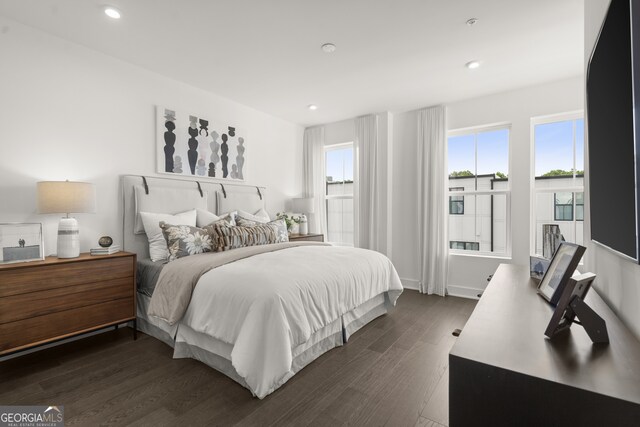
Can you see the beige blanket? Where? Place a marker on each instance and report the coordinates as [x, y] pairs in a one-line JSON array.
[[178, 278]]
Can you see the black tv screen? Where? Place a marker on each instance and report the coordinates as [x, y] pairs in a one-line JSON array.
[[612, 120]]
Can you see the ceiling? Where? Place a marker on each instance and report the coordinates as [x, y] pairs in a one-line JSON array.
[[391, 55]]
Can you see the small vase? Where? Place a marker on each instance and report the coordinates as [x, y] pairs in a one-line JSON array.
[[304, 228]]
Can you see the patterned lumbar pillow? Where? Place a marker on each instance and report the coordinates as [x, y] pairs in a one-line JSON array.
[[227, 237], [279, 226], [184, 240]]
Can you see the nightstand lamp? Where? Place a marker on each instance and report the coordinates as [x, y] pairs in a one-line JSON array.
[[303, 206], [66, 197]]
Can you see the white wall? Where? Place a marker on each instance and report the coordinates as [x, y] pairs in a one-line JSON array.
[[68, 112], [468, 273], [618, 280]]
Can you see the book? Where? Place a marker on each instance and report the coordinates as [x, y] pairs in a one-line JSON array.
[[105, 251]]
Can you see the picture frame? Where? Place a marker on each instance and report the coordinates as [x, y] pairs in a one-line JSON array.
[[21, 242], [561, 268], [563, 315], [537, 267], [197, 146]]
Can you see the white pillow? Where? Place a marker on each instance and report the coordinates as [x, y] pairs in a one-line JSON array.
[[261, 216], [151, 221], [205, 218]]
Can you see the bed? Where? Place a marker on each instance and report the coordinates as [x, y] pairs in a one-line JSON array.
[[258, 314]]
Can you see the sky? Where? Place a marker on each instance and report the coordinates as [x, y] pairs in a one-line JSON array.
[[554, 149], [339, 164]]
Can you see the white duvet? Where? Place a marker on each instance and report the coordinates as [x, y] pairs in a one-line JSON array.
[[268, 304]]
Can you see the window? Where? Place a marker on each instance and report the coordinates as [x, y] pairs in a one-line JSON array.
[[558, 175], [466, 246], [456, 203], [478, 167], [339, 193], [563, 206]]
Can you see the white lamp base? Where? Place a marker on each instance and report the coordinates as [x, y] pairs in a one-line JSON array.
[[68, 238]]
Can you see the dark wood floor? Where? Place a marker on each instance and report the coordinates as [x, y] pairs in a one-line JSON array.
[[392, 372]]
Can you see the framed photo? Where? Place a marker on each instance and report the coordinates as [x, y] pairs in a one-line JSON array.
[[537, 267], [563, 264], [20, 242]]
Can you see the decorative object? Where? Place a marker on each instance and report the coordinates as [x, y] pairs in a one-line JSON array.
[[538, 266], [304, 206], [551, 239], [105, 241], [105, 251], [562, 266], [304, 225], [21, 242], [196, 146], [292, 220], [66, 197]]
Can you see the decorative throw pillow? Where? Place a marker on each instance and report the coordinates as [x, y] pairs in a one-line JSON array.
[[184, 240], [227, 237], [279, 226], [157, 243]]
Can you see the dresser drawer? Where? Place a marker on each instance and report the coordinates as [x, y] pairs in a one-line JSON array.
[[24, 306], [42, 277], [38, 330]]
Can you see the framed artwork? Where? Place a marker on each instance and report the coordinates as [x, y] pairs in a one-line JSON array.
[[561, 268], [196, 146], [21, 242]]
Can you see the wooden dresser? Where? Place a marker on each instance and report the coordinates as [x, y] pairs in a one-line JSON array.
[[44, 301], [503, 371]]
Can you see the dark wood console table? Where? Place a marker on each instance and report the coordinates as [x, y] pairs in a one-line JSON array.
[[504, 371]]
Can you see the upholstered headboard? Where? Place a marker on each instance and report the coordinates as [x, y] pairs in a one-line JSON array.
[[171, 196]]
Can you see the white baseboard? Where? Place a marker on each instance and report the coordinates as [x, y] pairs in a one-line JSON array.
[[410, 284], [463, 291]]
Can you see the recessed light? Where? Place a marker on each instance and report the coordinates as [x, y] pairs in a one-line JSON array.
[[471, 21], [472, 65], [112, 12], [328, 47], [312, 107]]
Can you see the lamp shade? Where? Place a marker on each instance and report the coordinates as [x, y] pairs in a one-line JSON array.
[[303, 205], [66, 197]]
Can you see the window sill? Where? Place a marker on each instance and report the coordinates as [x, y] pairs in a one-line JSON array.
[[481, 255]]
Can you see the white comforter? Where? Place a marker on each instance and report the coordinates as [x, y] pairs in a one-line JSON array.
[[268, 304]]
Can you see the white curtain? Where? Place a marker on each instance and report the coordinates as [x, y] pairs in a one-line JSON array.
[[314, 177], [369, 232], [433, 247]]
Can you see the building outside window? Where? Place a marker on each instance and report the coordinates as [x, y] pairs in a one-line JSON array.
[[558, 177], [563, 206], [339, 193], [479, 192], [467, 246], [456, 203]]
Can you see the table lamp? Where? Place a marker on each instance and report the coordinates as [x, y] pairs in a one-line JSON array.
[[66, 197], [304, 206]]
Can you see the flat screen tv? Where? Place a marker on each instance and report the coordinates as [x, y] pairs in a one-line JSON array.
[[613, 118]]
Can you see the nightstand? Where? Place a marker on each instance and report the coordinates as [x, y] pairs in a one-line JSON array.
[[306, 237], [45, 301]]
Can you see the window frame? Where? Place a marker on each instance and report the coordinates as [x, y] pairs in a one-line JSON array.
[[573, 188], [507, 254], [328, 197]]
